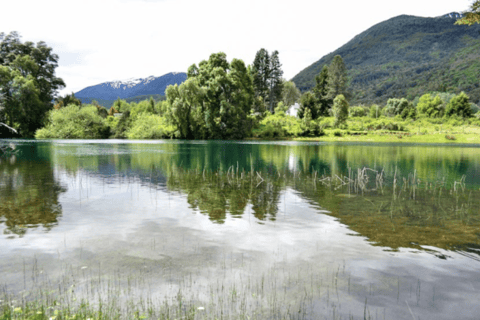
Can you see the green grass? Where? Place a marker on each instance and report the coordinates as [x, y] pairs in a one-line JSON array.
[[397, 137], [359, 129]]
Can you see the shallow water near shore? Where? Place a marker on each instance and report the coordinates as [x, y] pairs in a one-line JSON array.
[[225, 229]]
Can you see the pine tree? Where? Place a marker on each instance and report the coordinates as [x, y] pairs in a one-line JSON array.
[[337, 78], [275, 81], [261, 73], [321, 91], [152, 103], [267, 77]]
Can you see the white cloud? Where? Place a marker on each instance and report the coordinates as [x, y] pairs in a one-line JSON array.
[[117, 39]]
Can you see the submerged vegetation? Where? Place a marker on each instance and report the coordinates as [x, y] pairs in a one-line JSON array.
[[397, 211]]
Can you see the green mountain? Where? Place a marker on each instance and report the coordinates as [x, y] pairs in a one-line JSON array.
[[407, 56]]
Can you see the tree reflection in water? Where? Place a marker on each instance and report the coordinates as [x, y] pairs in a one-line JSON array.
[[28, 195]]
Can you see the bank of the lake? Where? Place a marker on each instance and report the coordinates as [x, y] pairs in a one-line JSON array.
[[397, 137]]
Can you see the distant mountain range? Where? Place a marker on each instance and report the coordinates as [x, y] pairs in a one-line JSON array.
[[407, 56], [132, 89]]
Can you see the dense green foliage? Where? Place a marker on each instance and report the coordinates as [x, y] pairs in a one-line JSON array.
[[214, 102], [290, 93], [66, 100], [406, 56], [396, 107], [430, 106], [340, 110], [27, 83], [281, 125], [150, 126], [308, 102], [109, 103], [74, 122], [459, 105], [357, 111]]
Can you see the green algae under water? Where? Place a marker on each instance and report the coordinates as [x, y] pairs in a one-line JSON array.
[[240, 230]]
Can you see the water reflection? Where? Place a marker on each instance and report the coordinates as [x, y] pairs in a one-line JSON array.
[[29, 195], [219, 193], [429, 196]]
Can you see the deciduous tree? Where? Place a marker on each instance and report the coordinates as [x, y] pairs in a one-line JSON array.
[[28, 82], [340, 110], [429, 106], [290, 93], [215, 101], [459, 105]]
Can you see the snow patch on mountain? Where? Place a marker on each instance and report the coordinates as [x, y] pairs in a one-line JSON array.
[[453, 15], [129, 83], [132, 87]]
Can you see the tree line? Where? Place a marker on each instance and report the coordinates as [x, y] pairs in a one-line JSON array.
[[220, 99]]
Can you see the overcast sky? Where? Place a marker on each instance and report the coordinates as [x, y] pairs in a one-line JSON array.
[[104, 40]]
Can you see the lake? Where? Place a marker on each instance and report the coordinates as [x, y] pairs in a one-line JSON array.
[[241, 230]]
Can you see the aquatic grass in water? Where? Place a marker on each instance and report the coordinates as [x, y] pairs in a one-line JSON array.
[[291, 290], [148, 233], [307, 291]]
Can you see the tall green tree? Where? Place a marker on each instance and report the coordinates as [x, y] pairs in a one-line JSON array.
[[261, 73], [215, 101], [27, 81], [430, 106], [459, 105], [22, 107], [267, 77], [186, 108], [275, 81], [290, 93], [320, 91], [340, 110], [337, 78], [471, 16]]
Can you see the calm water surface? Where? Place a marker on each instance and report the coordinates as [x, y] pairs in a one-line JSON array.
[[239, 227]]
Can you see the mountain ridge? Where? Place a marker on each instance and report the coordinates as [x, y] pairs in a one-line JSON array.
[[130, 88], [406, 56]]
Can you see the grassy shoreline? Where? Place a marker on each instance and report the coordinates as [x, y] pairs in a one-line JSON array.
[[390, 137], [399, 137]]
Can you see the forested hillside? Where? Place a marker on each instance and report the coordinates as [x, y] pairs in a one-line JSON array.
[[407, 56]]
